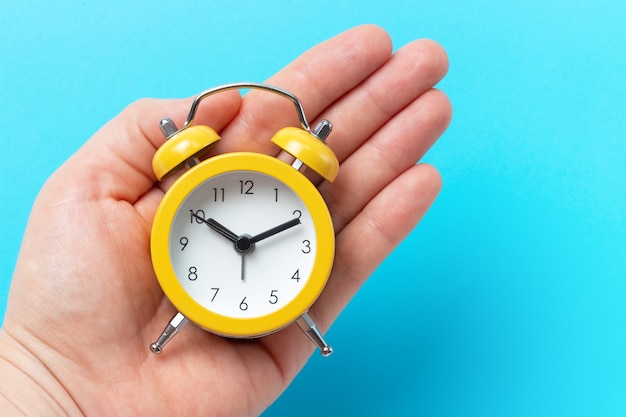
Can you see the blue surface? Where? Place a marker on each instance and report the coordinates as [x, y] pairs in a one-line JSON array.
[[509, 299]]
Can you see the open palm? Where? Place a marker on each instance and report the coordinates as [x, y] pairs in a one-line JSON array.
[[85, 305]]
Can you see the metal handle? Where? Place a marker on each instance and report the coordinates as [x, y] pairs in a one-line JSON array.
[[246, 85]]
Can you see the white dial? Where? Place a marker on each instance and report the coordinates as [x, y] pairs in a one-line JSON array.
[[242, 244]]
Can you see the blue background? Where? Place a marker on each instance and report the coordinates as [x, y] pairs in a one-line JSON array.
[[509, 299]]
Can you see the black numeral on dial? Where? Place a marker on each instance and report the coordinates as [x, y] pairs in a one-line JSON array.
[[198, 216], [296, 275], [245, 187]]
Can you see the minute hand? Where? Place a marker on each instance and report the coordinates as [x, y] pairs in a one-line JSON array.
[[275, 230]]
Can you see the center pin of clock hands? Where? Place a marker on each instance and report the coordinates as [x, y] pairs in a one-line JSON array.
[[245, 244]]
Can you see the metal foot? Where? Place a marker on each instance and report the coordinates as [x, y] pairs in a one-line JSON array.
[[175, 325], [308, 326]]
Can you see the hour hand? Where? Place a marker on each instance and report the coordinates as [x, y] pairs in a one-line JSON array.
[[219, 228]]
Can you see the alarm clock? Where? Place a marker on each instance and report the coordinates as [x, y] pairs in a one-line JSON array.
[[242, 243]]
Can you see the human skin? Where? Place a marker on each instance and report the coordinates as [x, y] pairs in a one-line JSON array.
[[84, 303]]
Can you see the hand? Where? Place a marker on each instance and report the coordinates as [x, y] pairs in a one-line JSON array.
[[85, 305], [242, 244], [275, 230], [219, 228], [222, 230]]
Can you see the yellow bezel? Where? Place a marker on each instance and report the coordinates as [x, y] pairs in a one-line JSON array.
[[174, 197]]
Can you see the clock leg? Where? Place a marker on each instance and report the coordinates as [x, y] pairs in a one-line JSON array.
[[174, 326], [308, 326]]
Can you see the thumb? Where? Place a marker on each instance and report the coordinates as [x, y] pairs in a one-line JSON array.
[[117, 161]]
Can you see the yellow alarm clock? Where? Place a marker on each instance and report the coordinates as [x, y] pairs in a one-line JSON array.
[[242, 243]]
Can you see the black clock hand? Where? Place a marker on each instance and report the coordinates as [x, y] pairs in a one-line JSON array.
[[275, 230], [243, 266], [243, 246], [219, 228]]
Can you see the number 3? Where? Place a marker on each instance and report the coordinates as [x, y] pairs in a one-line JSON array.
[[307, 246]]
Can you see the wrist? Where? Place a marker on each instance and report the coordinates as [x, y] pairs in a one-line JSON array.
[[27, 387]]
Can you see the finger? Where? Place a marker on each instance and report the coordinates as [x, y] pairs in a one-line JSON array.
[[117, 161], [318, 78], [396, 147], [411, 71], [361, 247], [374, 233]]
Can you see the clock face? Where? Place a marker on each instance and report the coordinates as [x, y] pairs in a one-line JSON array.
[[242, 251], [229, 250]]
